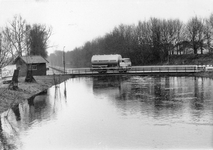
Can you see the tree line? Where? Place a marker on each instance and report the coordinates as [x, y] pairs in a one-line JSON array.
[[19, 38], [148, 42]]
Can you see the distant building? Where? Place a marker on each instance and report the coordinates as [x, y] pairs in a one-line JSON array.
[[37, 64]]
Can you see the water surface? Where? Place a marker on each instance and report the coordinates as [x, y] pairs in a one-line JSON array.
[[114, 113]]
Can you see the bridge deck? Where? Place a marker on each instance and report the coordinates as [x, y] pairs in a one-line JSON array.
[[139, 70]]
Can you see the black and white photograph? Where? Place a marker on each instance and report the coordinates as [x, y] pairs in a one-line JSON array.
[[106, 74]]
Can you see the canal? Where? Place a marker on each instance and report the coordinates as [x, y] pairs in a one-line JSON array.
[[128, 112]]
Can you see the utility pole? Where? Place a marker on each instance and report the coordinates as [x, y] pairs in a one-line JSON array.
[[64, 59]]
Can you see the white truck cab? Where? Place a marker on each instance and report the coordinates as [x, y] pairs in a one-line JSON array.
[[125, 62]]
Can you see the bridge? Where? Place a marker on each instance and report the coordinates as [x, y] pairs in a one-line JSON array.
[[134, 70]]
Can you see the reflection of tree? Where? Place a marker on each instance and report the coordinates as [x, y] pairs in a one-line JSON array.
[[37, 107], [195, 87], [113, 87], [6, 143], [65, 90], [160, 96], [197, 103], [57, 94], [154, 93], [110, 85], [165, 102], [16, 111], [22, 116], [103, 81], [162, 89], [41, 106], [31, 107], [57, 98], [160, 93]]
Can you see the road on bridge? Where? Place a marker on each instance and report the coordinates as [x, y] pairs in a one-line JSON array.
[[134, 70]]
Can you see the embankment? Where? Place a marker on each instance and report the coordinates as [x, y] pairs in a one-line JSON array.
[[27, 90]]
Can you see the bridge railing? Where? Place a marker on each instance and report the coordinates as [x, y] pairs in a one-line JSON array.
[[139, 69], [175, 69]]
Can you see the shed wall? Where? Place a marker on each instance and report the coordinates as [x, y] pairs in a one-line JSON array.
[[40, 68]]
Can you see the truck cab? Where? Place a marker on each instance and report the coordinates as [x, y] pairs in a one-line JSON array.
[[125, 62]]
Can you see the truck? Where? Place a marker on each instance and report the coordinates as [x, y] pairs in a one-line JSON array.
[[112, 62]]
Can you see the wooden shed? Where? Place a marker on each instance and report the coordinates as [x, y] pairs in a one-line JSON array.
[[35, 63]]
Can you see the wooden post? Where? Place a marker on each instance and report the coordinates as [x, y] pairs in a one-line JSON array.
[[29, 76], [14, 83]]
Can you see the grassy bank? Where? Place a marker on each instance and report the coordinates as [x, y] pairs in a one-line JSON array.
[[27, 90]]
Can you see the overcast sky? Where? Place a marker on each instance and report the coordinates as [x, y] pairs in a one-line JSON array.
[[75, 22]]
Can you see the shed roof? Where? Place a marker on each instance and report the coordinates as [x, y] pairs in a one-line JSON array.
[[32, 59]]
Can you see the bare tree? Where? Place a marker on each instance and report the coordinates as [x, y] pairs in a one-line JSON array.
[[143, 33], [5, 54], [156, 38], [195, 30], [15, 36], [201, 35], [207, 34], [169, 33], [211, 20], [179, 37]]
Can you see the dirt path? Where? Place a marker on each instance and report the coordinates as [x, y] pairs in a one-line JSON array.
[[27, 90]]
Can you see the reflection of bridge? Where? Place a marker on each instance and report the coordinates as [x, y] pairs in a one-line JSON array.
[[135, 70]]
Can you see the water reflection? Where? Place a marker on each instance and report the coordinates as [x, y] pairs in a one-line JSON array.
[[161, 97], [16, 111], [21, 117], [7, 142], [114, 112], [65, 90]]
